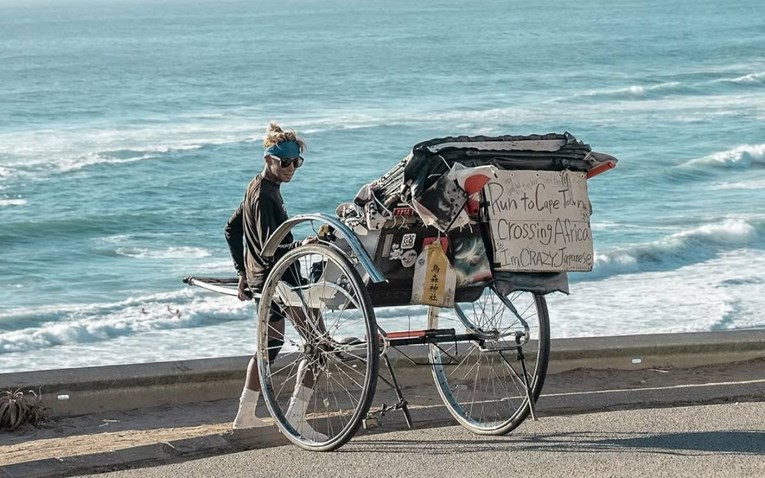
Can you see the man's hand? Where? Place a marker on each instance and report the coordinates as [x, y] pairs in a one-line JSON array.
[[242, 292], [309, 240]]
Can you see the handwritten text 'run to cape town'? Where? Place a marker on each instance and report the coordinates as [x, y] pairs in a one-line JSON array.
[[542, 225]]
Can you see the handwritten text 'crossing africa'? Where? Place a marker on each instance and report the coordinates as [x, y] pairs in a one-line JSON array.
[[540, 221]]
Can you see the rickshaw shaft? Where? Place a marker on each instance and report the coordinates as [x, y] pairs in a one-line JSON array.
[[433, 336]]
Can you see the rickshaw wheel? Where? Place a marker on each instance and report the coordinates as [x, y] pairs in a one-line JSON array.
[[329, 338], [481, 381]]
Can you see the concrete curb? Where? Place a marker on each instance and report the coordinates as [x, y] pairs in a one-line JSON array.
[[125, 387], [141, 456], [682, 350], [435, 416]]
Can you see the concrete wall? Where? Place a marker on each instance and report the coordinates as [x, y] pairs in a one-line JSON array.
[[124, 387]]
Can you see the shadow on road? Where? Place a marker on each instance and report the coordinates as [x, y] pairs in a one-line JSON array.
[[688, 444], [739, 442]]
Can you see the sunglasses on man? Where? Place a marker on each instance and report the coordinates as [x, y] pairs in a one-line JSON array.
[[284, 162]]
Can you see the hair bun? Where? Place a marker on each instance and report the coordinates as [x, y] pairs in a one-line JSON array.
[[273, 127], [275, 135]]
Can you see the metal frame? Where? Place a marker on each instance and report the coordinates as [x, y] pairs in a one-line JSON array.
[[269, 248]]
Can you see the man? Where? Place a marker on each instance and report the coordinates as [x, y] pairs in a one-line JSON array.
[[256, 218]]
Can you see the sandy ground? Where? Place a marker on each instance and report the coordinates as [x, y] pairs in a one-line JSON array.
[[110, 431]]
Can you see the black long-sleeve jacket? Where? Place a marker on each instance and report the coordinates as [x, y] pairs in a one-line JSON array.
[[262, 210]]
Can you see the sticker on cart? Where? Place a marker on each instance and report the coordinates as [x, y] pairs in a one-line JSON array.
[[387, 245], [403, 212], [407, 241], [408, 258]]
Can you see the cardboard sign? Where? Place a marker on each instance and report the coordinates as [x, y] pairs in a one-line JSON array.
[[540, 221]]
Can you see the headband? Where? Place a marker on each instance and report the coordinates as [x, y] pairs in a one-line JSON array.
[[285, 149]]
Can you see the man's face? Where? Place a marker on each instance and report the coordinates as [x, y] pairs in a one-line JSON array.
[[282, 169]]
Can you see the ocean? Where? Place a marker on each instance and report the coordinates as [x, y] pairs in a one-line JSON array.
[[129, 129]]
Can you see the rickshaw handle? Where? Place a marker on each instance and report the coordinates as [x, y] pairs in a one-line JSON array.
[[366, 262]]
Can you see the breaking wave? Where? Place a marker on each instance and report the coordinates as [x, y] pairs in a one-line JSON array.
[[677, 250], [741, 157], [749, 79], [640, 91], [182, 252], [12, 202], [757, 184], [712, 166], [701, 85], [49, 326]]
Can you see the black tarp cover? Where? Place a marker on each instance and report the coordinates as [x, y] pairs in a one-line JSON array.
[[431, 159], [549, 152]]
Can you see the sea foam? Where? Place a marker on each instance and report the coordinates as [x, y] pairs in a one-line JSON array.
[[751, 78], [712, 295], [742, 157], [673, 87], [637, 91], [757, 184], [40, 154], [70, 324], [12, 202], [676, 250], [180, 252]]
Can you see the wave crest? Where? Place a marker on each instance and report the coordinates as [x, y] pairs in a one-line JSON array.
[[180, 252], [677, 250], [741, 157], [751, 78], [743, 185], [62, 325], [12, 202], [638, 92]]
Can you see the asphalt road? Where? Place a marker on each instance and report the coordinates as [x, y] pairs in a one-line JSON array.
[[694, 441]]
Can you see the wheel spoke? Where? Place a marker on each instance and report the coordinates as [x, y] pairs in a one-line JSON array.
[[475, 387], [325, 303]]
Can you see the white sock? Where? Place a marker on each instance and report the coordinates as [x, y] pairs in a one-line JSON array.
[[296, 414], [245, 416], [298, 402], [249, 397]]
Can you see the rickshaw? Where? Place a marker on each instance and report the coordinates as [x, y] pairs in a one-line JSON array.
[[425, 235]]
